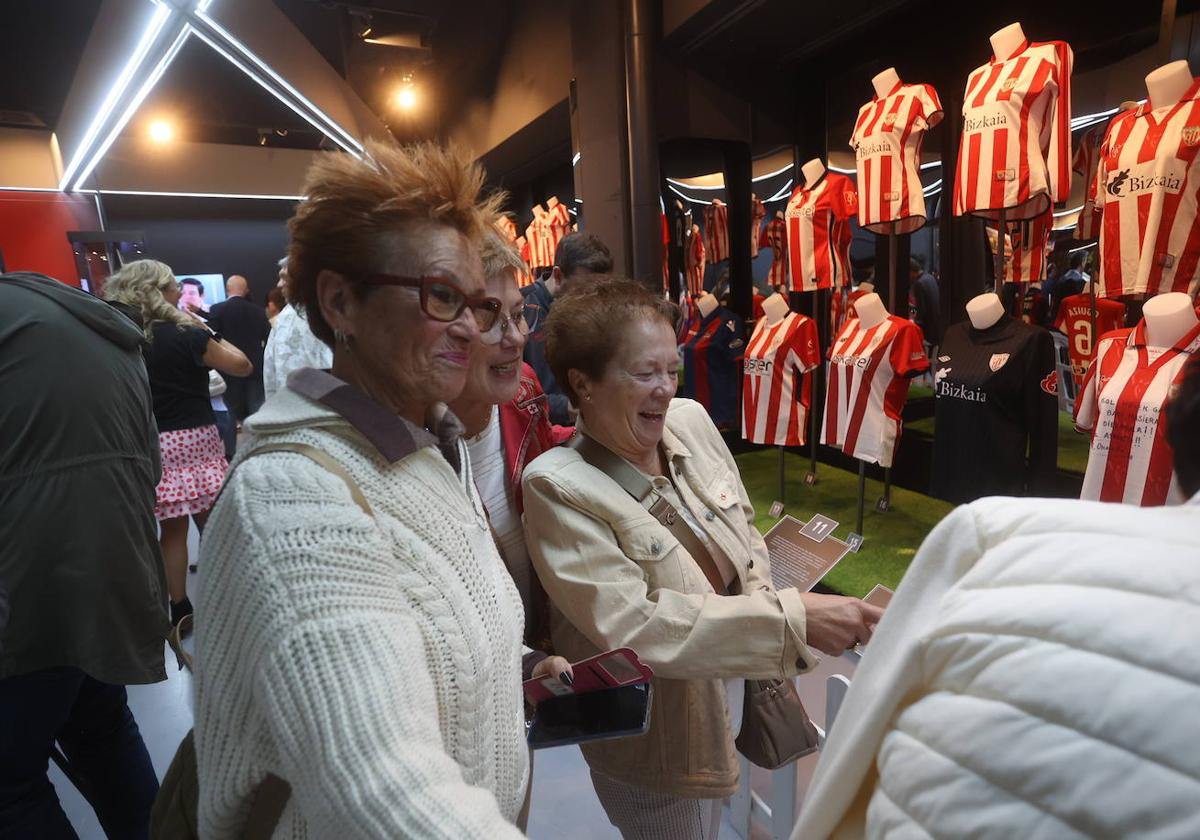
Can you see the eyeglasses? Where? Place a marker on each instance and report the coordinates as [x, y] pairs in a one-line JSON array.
[[522, 319], [442, 299]]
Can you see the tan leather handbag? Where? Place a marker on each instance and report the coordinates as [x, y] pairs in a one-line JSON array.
[[776, 729]]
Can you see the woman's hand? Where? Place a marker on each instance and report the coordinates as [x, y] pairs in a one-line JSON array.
[[554, 666], [834, 624]]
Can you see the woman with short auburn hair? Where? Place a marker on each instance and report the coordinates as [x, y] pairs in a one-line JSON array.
[[698, 611], [361, 637]]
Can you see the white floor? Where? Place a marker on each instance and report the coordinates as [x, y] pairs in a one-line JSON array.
[[564, 804]]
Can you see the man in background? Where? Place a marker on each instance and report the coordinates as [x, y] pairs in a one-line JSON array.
[[246, 326], [579, 258], [291, 345], [923, 304], [1073, 282], [80, 568]]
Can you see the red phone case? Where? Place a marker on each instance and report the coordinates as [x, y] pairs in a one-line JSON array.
[[605, 670]]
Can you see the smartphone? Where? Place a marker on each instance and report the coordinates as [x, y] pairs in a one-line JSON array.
[[573, 718]]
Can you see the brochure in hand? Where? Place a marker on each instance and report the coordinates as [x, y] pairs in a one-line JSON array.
[[609, 697]]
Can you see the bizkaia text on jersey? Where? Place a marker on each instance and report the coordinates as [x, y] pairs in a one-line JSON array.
[[1122, 183], [872, 149], [986, 121]]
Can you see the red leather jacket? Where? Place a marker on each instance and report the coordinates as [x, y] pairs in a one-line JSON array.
[[526, 431]]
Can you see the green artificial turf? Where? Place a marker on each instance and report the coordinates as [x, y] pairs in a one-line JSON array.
[[890, 539], [1072, 446]]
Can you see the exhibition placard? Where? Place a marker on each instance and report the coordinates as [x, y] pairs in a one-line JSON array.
[[796, 558]]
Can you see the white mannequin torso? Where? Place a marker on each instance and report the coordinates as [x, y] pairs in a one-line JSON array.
[[1169, 317], [812, 172], [775, 308], [552, 202], [1167, 85], [871, 311], [985, 310], [1007, 41], [707, 303], [885, 82]]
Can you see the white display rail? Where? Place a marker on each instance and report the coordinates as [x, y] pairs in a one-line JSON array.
[[779, 811]]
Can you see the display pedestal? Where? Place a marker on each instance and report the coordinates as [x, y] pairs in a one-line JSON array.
[[862, 491], [999, 259], [818, 382]]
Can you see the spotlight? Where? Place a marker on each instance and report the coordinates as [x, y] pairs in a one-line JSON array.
[[161, 131], [406, 97]]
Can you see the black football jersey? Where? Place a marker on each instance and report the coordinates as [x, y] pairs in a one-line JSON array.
[[996, 412]]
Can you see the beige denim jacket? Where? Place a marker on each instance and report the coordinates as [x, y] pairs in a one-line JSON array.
[[618, 578]]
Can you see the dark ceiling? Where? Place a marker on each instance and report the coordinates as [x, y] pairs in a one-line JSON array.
[[41, 42]]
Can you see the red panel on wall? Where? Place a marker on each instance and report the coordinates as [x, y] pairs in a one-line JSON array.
[[33, 231]]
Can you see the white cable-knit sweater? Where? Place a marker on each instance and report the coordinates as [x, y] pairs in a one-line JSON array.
[[373, 663]]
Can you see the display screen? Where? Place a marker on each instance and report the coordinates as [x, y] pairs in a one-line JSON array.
[[213, 290]]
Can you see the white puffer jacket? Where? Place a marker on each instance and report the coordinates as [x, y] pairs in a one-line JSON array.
[[1036, 676]]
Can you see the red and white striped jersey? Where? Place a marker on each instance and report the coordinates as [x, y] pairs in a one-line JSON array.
[[507, 228], [776, 395], [535, 236], [716, 231], [887, 151], [694, 261], [1026, 248], [868, 385], [774, 236], [818, 233], [757, 213], [1149, 175], [1087, 156], [1016, 145], [557, 224], [1123, 397], [1075, 322]]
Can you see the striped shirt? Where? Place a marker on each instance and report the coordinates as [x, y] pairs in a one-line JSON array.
[[774, 236], [694, 260], [1087, 156], [757, 213], [868, 386], [1121, 405], [1149, 174], [818, 233], [887, 150], [1026, 248], [1015, 153], [776, 394], [716, 231]]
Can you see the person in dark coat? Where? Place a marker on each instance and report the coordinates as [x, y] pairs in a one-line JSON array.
[[245, 324], [80, 568]]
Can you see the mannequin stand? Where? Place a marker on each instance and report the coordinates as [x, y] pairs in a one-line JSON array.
[[862, 490], [811, 477], [884, 503], [1000, 233], [781, 477]]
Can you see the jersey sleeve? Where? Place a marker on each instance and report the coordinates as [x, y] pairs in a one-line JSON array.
[[806, 345], [845, 202], [1059, 156], [1086, 403], [908, 351], [931, 105]]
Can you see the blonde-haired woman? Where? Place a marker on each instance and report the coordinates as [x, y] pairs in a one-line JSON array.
[[178, 357]]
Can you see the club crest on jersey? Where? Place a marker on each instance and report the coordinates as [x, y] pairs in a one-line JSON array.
[[943, 358], [1008, 85], [997, 361], [851, 198], [1050, 384], [889, 121], [1191, 134]]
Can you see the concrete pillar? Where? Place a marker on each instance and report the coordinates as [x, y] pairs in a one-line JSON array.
[[642, 144]]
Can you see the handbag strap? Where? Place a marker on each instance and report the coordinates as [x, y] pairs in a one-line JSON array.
[[325, 460], [642, 490]]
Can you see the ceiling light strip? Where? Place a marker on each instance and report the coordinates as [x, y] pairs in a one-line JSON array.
[[144, 45], [330, 126], [134, 104], [302, 113]]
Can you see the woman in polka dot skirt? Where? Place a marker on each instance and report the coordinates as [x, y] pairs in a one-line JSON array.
[[180, 351]]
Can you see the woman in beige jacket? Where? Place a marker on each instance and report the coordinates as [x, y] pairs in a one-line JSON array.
[[617, 577]]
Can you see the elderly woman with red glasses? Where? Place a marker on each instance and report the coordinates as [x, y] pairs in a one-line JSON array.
[[358, 635]]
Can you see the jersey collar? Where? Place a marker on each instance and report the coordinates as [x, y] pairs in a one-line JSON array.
[[1191, 94], [1138, 338]]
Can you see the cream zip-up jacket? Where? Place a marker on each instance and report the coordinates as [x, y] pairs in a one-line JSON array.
[[617, 577]]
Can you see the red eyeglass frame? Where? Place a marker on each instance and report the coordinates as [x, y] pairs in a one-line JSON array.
[[494, 305]]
